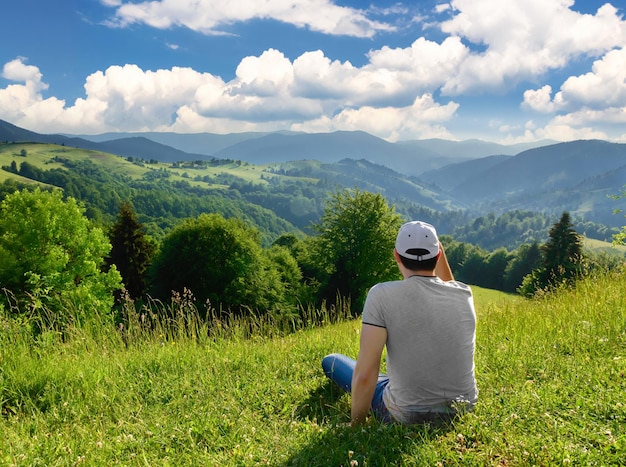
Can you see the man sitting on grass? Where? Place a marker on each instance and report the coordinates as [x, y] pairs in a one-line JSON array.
[[428, 323]]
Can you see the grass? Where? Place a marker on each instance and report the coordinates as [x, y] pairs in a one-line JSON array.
[[597, 246], [551, 375], [42, 156]]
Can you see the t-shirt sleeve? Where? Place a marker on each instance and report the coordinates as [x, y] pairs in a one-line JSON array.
[[373, 310]]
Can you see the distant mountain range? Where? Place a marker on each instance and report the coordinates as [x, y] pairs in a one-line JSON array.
[[407, 157], [577, 176]]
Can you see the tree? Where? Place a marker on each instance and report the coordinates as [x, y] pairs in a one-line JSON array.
[[131, 251], [356, 238], [526, 259], [221, 262], [496, 263], [50, 253], [561, 261], [562, 254]]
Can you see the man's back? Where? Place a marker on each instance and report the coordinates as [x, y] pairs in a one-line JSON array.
[[431, 328]]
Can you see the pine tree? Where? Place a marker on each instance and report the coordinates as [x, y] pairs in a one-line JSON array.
[[562, 254], [131, 251]]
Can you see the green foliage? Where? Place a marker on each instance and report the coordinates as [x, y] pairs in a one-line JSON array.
[[562, 255], [159, 200], [498, 270], [356, 238], [515, 228], [50, 252], [620, 237], [131, 251], [562, 259], [221, 262], [526, 259]]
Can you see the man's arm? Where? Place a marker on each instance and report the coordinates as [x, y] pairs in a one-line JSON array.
[[442, 269], [365, 376]]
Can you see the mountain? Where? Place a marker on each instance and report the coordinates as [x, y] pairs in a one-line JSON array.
[[471, 148], [453, 175], [578, 176], [332, 147], [12, 133], [138, 147], [549, 168], [194, 143], [407, 157]]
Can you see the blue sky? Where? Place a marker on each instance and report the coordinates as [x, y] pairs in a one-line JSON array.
[[499, 70]]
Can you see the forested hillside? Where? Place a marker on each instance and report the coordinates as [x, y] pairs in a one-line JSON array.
[[276, 198]]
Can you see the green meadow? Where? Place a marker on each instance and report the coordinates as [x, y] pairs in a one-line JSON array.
[[43, 156], [551, 373]]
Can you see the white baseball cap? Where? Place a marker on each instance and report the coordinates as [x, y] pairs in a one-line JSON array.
[[417, 235]]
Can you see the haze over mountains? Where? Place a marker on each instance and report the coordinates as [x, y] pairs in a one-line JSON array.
[[408, 157], [577, 176]]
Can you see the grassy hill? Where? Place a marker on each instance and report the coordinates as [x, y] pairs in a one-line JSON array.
[[43, 156], [551, 375], [597, 246]]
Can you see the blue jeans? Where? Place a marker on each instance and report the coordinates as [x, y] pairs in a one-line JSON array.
[[340, 368]]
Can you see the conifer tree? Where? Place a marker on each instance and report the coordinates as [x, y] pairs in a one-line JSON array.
[[131, 251], [562, 254], [561, 261]]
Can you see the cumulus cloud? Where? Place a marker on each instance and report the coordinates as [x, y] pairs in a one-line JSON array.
[[596, 97], [523, 40], [423, 117], [208, 16], [492, 45], [268, 91], [604, 86]]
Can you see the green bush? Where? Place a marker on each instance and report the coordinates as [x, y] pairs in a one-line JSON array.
[[50, 253]]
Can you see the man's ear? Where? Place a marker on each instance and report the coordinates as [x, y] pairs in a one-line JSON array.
[[396, 255]]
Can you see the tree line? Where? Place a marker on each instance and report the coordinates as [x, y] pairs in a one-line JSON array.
[[51, 254]]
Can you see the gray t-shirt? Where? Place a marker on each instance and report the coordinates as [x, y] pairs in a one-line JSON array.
[[431, 339]]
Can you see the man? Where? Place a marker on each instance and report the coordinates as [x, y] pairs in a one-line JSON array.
[[428, 323]]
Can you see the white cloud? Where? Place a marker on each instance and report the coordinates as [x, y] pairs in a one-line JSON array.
[[493, 44], [522, 40], [596, 98], [539, 100], [208, 16], [392, 75], [562, 132], [17, 70], [23, 102], [423, 117], [604, 86]]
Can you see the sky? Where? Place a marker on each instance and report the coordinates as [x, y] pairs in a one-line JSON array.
[[506, 71]]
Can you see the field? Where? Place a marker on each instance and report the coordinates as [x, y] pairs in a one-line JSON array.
[[551, 374], [42, 156]]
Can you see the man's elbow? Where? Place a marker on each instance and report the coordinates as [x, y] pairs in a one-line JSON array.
[[364, 378]]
